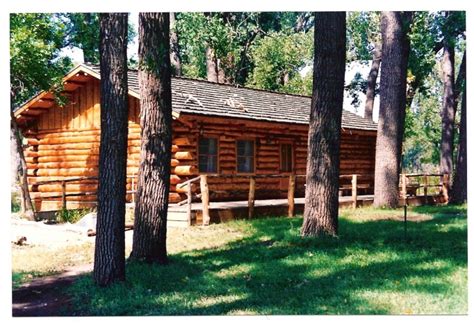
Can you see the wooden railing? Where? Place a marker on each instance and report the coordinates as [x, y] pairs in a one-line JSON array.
[[66, 181], [204, 191], [410, 183]]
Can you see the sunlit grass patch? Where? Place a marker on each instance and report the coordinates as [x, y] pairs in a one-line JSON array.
[[264, 267]]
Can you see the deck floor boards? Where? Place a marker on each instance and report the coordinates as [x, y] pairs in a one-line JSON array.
[[197, 206]]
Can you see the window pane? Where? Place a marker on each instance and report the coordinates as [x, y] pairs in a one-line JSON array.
[[286, 154], [212, 146], [245, 156], [207, 155]]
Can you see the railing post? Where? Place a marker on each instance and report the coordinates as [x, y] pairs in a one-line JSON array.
[[445, 187], [251, 196], [291, 195], [205, 200], [425, 188], [404, 188], [190, 198], [354, 191], [63, 188]]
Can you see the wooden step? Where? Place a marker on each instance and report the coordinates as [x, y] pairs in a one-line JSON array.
[[179, 218]]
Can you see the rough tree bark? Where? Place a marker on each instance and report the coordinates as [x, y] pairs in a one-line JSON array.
[[459, 190], [26, 206], [212, 70], [109, 259], [175, 58], [393, 78], [449, 109], [322, 170], [458, 193], [149, 238], [372, 82]]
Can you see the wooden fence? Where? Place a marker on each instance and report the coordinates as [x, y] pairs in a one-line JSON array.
[[409, 186]]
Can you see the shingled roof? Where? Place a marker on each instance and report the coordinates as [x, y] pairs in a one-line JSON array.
[[208, 98]]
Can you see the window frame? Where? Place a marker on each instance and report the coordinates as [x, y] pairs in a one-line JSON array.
[[292, 145], [217, 155], [237, 156]]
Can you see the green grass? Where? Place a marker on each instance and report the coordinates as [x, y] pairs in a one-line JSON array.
[[265, 267]]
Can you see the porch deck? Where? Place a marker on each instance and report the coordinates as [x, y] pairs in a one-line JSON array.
[[235, 210]]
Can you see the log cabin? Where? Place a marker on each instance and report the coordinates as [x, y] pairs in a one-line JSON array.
[[218, 129]]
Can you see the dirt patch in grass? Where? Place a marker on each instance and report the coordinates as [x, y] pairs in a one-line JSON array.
[[45, 296]]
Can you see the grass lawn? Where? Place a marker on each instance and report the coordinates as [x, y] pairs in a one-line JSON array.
[[263, 266]]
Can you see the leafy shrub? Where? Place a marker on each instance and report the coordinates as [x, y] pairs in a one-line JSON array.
[[71, 216], [15, 201]]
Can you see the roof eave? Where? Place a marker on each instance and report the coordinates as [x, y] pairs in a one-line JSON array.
[[80, 68]]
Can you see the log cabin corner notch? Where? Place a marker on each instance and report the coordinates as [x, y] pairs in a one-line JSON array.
[[255, 131]]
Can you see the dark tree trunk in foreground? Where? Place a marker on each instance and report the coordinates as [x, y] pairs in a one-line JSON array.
[[149, 238], [393, 81], [372, 82], [459, 189], [109, 259], [449, 110], [174, 46], [26, 206], [322, 170]]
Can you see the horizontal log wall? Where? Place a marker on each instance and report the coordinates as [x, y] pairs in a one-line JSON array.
[[65, 143], [357, 153]]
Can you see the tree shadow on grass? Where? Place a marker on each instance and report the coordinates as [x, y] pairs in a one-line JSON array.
[[275, 271]]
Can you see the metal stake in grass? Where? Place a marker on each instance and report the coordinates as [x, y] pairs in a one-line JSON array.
[[405, 219]]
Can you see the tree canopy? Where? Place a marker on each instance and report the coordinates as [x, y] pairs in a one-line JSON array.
[[35, 64]]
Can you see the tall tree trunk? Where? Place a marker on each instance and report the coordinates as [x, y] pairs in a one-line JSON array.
[[211, 65], [175, 58], [26, 206], [393, 81], [449, 109], [372, 82], [109, 259], [459, 190], [322, 170], [149, 238]]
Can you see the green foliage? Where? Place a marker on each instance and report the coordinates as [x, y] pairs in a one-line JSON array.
[[422, 55], [278, 59], [363, 32], [423, 128], [196, 32], [71, 216], [233, 36], [369, 269], [83, 32], [35, 42], [15, 201]]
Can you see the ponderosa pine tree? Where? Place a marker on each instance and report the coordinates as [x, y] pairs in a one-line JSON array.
[[154, 75], [322, 170], [109, 258], [393, 78]]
